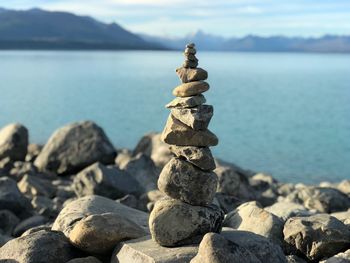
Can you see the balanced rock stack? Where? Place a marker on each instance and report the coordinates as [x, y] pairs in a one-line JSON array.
[[188, 180]]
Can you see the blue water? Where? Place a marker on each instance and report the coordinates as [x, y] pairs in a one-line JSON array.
[[285, 114]]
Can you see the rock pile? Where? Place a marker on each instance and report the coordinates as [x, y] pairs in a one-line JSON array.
[[187, 180]]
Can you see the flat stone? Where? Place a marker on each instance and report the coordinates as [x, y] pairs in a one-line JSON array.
[[191, 89], [78, 209], [13, 142], [317, 237], [187, 102], [174, 223], [183, 181], [177, 133], [99, 234], [189, 74], [145, 250], [190, 64], [246, 216], [198, 156], [197, 118]]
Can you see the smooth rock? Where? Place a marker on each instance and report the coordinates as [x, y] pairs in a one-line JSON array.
[[191, 57], [286, 210], [143, 170], [227, 203], [74, 147], [251, 217], [187, 102], [344, 186], [13, 142], [35, 229], [99, 234], [145, 250], [174, 223], [29, 223], [191, 89], [8, 222], [177, 133], [152, 146], [323, 199], [129, 200], [4, 240], [31, 186], [11, 198], [21, 169], [343, 216], [190, 64], [78, 209], [339, 258], [85, 260], [317, 237], [190, 51], [198, 156], [110, 182], [183, 181], [33, 151], [265, 250], [214, 248], [197, 118], [39, 247], [189, 75]]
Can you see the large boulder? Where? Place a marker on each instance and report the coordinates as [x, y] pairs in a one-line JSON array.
[[246, 216], [40, 247], [173, 222], [106, 181], [13, 142], [265, 250], [99, 234], [323, 199], [74, 147], [182, 180], [78, 209], [318, 236], [214, 248]]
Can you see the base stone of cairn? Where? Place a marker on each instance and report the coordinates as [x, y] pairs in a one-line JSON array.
[[186, 214]]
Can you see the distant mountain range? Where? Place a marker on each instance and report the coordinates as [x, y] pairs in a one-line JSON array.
[[40, 29]]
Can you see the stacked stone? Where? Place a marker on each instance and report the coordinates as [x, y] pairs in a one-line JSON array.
[[188, 180]]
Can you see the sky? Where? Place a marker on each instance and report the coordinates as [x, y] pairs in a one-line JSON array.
[[228, 18]]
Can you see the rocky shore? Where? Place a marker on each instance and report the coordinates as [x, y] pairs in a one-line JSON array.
[[80, 199]]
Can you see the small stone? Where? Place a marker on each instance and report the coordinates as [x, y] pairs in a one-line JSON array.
[[190, 64], [246, 216], [198, 156], [177, 133], [197, 118], [146, 250], [13, 142], [189, 74], [191, 89], [190, 45], [214, 248], [190, 51], [191, 57], [99, 234], [183, 181], [174, 223], [187, 102], [318, 236]]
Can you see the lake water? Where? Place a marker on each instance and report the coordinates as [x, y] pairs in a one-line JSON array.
[[285, 114]]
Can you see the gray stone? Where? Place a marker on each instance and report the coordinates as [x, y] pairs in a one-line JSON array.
[[143, 170], [294, 259], [344, 186], [318, 236], [177, 133], [13, 142], [198, 156], [85, 260], [29, 223], [33, 151], [286, 210], [78, 209], [227, 203], [145, 250], [190, 64], [183, 181], [174, 223], [343, 216], [31, 186], [110, 182], [99, 234], [8, 222], [190, 51], [129, 200], [246, 216], [45, 206], [190, 45], [265, 250], [39, 247], [74, 147], [323, 199], [4, 239], [35, 229], [197, 118], [191, 89], [11, 198], [339, 258], [21, 169], [189, 75], [214, 248], [191, 57], [187, 102], [229, 181]]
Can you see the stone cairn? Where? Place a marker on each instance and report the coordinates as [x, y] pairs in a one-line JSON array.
[[187, 180]]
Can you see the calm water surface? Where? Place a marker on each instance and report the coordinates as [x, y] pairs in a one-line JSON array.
[[285, 114]]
